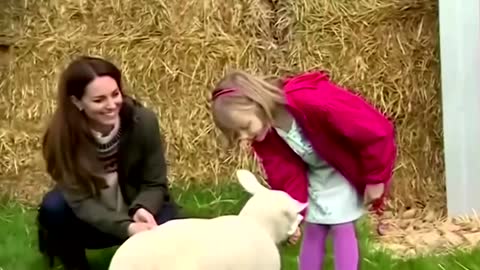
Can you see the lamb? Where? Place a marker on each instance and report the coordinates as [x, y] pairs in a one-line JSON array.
[[247, 241]]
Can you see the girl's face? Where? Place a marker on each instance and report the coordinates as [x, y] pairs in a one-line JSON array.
[[249, 126], [101, 102]]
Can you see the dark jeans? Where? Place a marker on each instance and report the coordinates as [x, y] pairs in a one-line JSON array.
[[64, 235]]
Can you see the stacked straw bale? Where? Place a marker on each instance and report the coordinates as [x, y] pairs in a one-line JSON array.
[[172, 52], [387, 51]]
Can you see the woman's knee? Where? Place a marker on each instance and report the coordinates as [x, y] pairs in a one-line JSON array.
[[168, 212], [53, 210]]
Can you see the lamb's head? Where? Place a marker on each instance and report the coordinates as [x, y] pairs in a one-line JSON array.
[[275, 210]]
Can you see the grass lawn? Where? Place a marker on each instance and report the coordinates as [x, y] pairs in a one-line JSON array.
[[18, 250]]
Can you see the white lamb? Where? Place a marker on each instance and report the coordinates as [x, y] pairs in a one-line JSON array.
[[247, 241]]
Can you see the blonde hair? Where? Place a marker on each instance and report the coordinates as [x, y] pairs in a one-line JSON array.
[[251, 93]]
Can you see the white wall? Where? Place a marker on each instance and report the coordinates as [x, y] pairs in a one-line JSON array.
[[460, 62]]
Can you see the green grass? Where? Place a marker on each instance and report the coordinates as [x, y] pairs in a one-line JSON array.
[[18, 250]]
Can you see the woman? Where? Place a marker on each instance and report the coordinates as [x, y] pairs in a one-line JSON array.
[[317, 142], [104, 151]]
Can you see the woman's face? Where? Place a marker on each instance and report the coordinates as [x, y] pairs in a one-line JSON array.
[[101, 102]]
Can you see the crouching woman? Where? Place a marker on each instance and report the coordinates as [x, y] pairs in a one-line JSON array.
[[104, 151]]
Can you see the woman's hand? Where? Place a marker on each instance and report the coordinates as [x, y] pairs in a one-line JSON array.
[[142, 215], [143, 221], [373, 192], [136, 227]]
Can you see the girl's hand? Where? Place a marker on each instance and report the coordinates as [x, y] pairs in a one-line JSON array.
[[373, 192], [292, 240]]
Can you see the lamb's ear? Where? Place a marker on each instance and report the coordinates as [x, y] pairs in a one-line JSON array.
[[301, 206], [249, 182], [294, 225]]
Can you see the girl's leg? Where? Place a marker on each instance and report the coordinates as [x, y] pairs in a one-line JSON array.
[[312, 250], [345, 246]]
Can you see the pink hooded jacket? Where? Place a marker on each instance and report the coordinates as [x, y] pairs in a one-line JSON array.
[[347, 132]]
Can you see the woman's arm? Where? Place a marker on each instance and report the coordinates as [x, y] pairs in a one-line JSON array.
[[153, 187], [92, 211]]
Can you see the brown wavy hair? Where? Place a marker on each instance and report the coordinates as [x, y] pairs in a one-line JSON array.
[[68, 145]]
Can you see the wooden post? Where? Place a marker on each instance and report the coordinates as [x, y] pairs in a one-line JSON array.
[[460, 78]]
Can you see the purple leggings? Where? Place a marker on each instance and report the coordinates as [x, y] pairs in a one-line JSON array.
[[345, 246]]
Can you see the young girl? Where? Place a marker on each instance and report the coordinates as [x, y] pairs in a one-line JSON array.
[[319, 143]]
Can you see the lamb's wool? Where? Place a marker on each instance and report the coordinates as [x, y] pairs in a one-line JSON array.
[[247, 241]]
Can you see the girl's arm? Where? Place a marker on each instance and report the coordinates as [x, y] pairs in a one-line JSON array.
[[367, 131], [281, 169]]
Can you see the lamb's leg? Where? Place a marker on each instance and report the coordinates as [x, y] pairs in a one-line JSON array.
[[345, 246], [312, 250]]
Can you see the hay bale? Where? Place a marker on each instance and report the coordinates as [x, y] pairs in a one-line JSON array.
[[386, 49], [18, 148], [168, 62]]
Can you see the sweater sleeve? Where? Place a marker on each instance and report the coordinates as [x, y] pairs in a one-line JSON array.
[[92, 211], [281, 170], [362, 127], [153, 185]]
